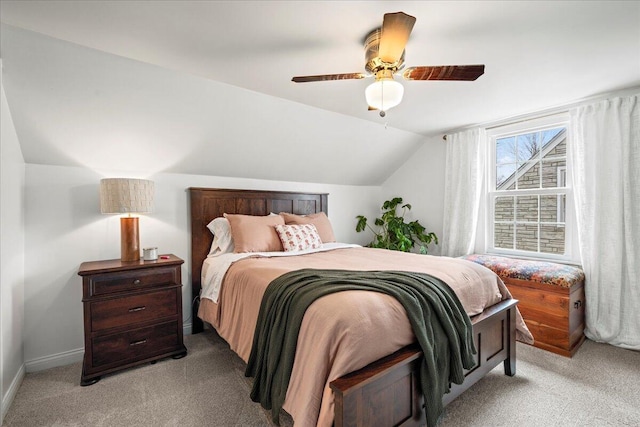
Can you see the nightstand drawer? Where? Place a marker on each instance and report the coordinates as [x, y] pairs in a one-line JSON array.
[[133, 309], [135, 344], [103, 284]]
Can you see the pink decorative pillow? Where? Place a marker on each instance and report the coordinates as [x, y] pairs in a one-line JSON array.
[[320, 220], [255, 233], [298, 237]]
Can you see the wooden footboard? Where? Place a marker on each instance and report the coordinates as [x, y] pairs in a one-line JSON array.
[[387, 392]]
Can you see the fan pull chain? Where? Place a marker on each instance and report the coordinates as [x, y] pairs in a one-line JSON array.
[[382, 113]]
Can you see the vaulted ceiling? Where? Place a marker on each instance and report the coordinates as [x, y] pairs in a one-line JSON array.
[[205, 87]]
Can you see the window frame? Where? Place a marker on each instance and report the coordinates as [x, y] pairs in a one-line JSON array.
[[561, 214], [523, 127]]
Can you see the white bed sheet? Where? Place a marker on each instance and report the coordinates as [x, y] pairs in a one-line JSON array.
[[215, 266]]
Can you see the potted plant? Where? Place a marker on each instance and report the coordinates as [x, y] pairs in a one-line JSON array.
[[394, 233]]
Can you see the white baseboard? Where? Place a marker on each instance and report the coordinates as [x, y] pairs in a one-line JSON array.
[[7, 399], [60, 359]]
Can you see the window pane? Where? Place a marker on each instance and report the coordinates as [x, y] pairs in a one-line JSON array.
[[504, 176], [527, 208], [549, 137], [503, 236], [552, 239], [505, 161], [529, 175], [527, 237], [503, 209], [528, 147], [549, 208], [506, 150], [554, 173]]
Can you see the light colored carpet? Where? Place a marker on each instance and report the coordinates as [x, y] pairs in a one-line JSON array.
[[600, 386]]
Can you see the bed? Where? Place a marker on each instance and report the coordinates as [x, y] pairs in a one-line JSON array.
[[382, 390]]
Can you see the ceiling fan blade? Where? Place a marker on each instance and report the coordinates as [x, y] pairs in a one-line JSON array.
[[396, 28], [324, 77], [444, 72]]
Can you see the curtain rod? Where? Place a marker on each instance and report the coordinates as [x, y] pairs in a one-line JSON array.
[[521, 120], [551, 111]]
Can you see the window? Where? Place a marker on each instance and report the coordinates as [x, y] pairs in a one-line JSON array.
[[527, 195]]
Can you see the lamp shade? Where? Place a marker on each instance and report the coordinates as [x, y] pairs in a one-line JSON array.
[[125, 195], [384, 94]]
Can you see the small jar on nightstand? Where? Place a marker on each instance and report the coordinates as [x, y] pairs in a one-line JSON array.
[[132, 314]]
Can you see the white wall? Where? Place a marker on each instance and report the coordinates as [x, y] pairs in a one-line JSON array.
[[420, 182], [64, 227], [12, 177]]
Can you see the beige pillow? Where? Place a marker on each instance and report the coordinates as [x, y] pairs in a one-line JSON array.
[[320, 220], [255, 233]]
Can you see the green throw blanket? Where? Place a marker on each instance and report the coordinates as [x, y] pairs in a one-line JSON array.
[[439, 323]]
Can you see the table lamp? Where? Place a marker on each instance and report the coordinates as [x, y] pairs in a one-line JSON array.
[[127, 196]]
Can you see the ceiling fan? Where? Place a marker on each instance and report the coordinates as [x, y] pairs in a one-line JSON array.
[[384, 55]]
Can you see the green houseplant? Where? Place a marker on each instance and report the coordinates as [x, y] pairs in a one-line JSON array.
[[394, 233]]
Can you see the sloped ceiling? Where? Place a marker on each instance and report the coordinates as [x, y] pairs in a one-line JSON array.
[[77, 106], [204, 87]]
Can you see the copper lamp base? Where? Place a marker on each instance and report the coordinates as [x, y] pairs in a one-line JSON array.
[[129, 239]]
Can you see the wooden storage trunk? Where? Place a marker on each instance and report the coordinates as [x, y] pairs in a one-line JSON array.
[[551, 299]]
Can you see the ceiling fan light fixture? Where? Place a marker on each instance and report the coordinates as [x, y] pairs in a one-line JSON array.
[[384, 94], [384, 58]]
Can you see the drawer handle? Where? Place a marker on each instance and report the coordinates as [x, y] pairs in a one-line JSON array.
[[136, 282], [138, 342], [134, 309], [577, 304]]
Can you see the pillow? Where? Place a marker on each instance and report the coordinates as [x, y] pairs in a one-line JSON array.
[[299, 237], [255, 233], [320, 220], [222, 239]]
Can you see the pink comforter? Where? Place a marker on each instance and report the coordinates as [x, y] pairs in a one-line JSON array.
[[345, 331]]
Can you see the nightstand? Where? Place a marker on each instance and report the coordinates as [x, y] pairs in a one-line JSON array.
[[132, 314]]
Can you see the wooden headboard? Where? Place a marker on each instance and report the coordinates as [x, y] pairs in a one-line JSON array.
[[209, 203]]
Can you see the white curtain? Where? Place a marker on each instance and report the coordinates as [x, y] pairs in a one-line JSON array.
[[464, 174], [605, 150]]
